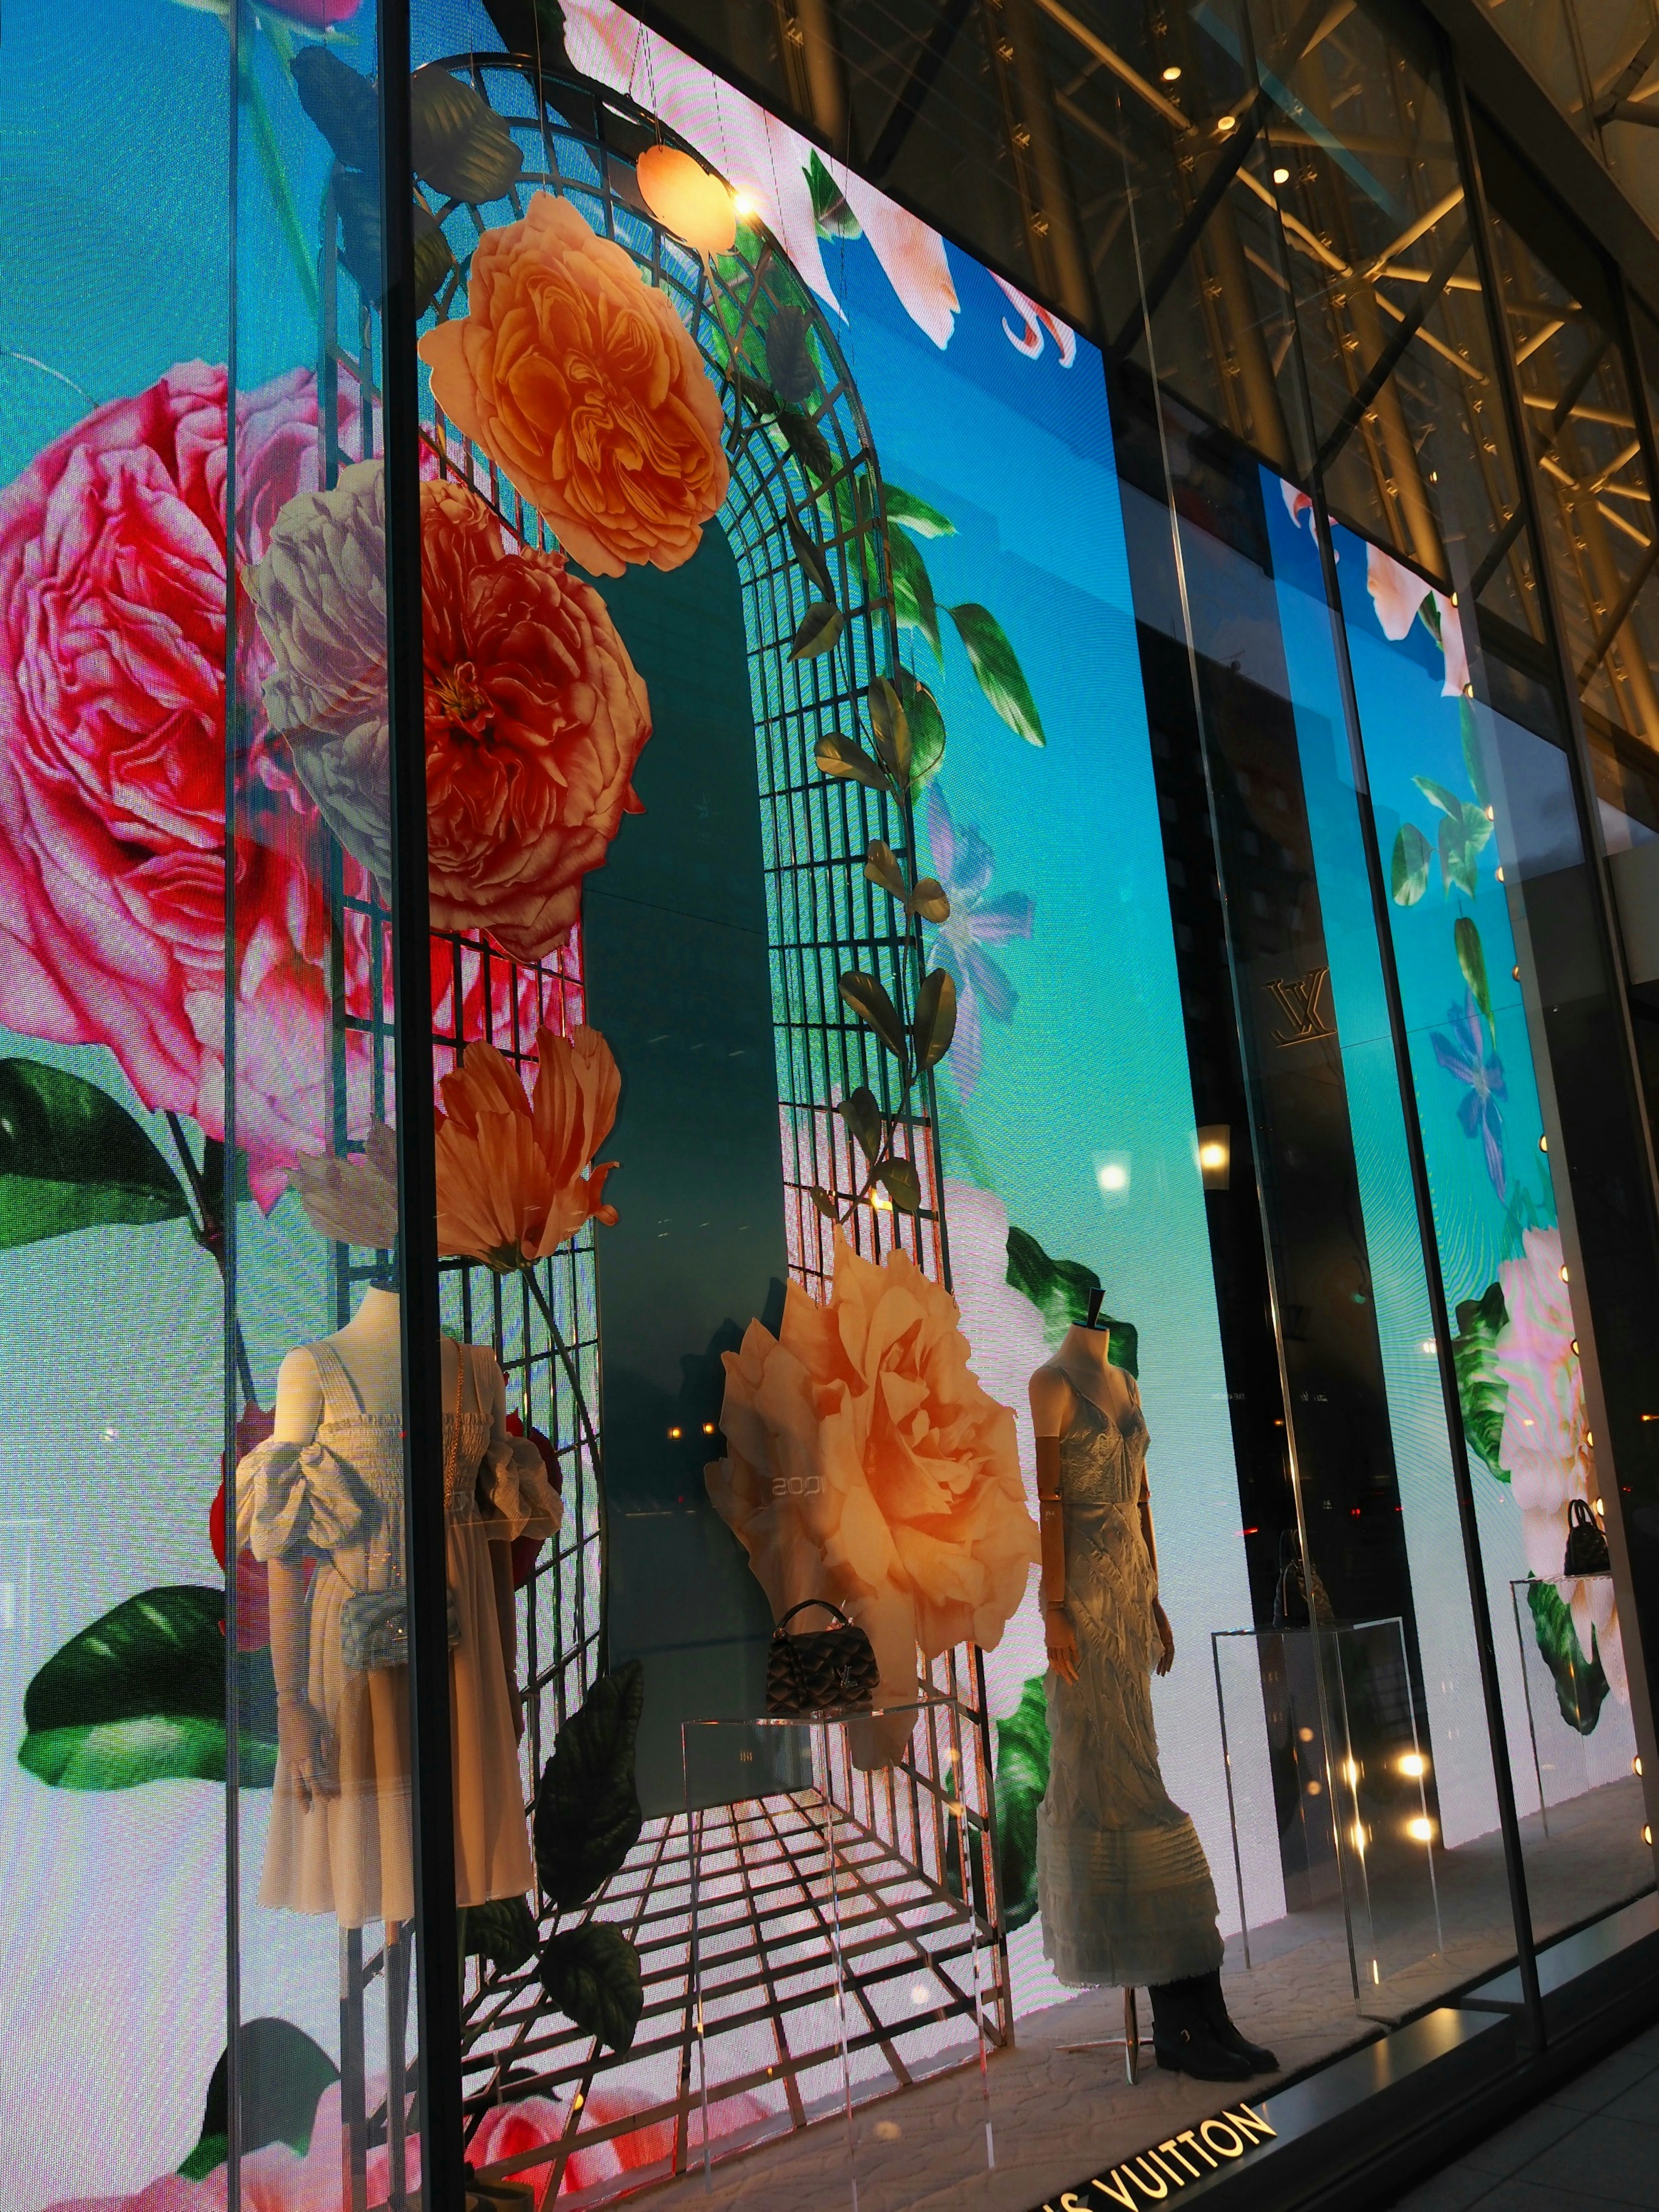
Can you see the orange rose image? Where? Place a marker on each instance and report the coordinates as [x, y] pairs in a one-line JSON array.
[[583, 385], [864, 1464], [511, 1180], [535, 717]]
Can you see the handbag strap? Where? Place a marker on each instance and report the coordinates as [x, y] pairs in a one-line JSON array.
[[804, 1605], [1579, 1513]]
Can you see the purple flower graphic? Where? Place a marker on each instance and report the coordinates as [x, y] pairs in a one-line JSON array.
[[1465, 1056], [963, 862]]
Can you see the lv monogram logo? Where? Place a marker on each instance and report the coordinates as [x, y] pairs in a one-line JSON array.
[[1300, 998]]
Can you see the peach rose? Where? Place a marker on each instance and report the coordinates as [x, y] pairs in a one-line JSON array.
[[535, 718], [864, 1464], [535, 715], [511, 1185], [582, 383]]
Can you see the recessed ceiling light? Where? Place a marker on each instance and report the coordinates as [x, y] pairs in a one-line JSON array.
[[1226, 122], [1172, 74], [1281, 176]]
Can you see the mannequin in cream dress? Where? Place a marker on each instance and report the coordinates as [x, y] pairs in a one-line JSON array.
[[1124, 1886], [328, 1488]]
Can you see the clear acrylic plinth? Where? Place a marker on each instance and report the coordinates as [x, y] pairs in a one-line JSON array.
[[834, 1971], [1580, 1734], [1348, 1790]]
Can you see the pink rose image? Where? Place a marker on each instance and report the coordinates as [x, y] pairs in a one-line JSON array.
[[112, 765], [279, 2179], [1546, 1446], [1399, 595]]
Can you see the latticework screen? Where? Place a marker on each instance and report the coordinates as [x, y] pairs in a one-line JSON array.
[[927, 1820]]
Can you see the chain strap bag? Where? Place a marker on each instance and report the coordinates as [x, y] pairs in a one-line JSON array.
[[820, 1669], [375, 1624], [1587, 1547]]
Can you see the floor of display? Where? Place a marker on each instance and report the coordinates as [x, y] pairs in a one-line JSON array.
[[1056, 2115]]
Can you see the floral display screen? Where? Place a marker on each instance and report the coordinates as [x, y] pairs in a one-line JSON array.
[[822, 1503]]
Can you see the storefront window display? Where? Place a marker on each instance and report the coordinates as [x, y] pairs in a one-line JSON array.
[[831, 1458]]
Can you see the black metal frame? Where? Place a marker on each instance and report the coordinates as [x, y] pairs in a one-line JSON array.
[[438, 1992]]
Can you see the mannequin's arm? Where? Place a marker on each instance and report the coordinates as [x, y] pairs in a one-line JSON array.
[[501, 1571], [1147, 1521], [300, 1729], [1050, 1396], [1166, 1634]]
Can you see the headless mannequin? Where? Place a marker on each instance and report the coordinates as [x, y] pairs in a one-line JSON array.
[[1193, 2032], [370, 1348], [1080, 1368]]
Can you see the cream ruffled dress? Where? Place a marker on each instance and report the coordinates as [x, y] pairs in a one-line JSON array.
[[340, 1500], [1122, 1882]]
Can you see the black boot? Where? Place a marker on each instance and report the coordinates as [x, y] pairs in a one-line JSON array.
[[1221, 2027], [1183, 2041]]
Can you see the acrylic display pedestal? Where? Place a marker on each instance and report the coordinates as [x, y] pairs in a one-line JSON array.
[[1582, 1737], [816, 1953], [1347, 1789]]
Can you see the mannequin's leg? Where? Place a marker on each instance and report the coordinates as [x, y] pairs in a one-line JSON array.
[[1221, 2027], [1182, 2039]]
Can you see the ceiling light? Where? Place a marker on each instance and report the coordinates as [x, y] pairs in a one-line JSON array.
[[1227, 122], [1281, 176], [1172, 74], [688, 199]]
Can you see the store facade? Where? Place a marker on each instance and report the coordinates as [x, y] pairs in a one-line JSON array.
[[806, 809]]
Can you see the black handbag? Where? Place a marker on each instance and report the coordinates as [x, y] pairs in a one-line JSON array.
[[1587, 1547], [821, 1670], [1299, 1599]]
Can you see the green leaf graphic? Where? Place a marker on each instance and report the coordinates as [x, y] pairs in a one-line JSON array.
[[1475, 766], [927, 729], [830, 213], [1000, 677], [1472, 959], [1408, 871], [162, 1651], [501, 1930], [587, 1813], [139, 1696], [915, 514], [1437, 795], [457, 141], [159, 1747], [71, 1158], [1483, 1392], [283, 2074], [1060, 1291], [591, 1974], [1477, 831], [1023, 1751], [913, 589], [1580, 1686], [1457, 864]]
